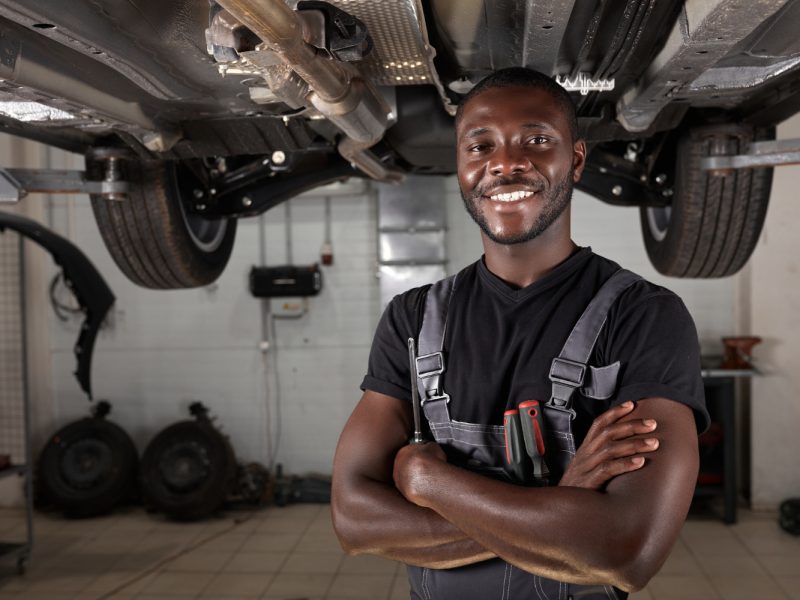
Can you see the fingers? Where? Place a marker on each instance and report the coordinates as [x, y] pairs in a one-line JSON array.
[[626, 429], [613, 414], [613, 468], [628, 447]]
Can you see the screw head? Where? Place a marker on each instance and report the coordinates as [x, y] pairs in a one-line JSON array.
[[661, 179], [198, 194], [617, 190], [278, 157], [667, 193], [200, 206], [247, 201]]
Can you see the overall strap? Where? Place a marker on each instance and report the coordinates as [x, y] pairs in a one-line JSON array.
[[430, 360], [568, 370]]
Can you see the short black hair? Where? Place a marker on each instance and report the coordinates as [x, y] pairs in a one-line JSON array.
[[524, 77]]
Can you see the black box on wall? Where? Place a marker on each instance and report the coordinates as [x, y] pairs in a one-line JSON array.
[[284, 281]]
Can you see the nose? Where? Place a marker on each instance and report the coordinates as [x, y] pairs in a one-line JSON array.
[[508, 160]]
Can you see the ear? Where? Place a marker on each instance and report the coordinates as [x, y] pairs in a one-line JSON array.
[[578, 159]]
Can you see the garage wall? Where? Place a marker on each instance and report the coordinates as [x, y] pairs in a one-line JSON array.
[[775, 297], [164, 349]]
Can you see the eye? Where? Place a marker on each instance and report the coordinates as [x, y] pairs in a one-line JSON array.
[[477, 148], [538, 139]]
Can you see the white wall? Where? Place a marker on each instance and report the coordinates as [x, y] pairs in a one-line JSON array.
[[775, 272], [164, 349]]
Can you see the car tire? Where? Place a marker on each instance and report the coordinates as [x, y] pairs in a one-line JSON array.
[[152, 236], [87, 468], [714, 221], [187, 471]]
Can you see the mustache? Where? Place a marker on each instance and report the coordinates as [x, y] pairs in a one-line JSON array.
[[537, 185]]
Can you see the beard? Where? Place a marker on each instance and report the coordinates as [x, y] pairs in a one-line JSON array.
[[554, 201]]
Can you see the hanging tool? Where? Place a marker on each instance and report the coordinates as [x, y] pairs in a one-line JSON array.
[[533, 432], [412, 365]]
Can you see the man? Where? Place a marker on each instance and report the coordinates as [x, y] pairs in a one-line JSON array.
[[613, 516]]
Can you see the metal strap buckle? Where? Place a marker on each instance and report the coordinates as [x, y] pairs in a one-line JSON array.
[[430, 365], [567, 372], [445, 397]]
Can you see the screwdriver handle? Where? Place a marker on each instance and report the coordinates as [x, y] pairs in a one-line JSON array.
[[417, 438], [530, 415], [515, 447]]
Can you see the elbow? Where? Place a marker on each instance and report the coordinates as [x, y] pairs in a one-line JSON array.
[[346, 527], [634, 568]]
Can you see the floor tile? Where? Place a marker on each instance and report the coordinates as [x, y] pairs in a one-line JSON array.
[[640, 595], [184, 584], [718, 566], [289, 585], [199, 560], [270, 542], [748, 588], [312, 562], [245, 585], [681, 587], [781, 565], [790, 585], [255, 562]]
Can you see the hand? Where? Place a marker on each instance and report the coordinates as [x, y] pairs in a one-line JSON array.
[[412, 468], [611, 448]]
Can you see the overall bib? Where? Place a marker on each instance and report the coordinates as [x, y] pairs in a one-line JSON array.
[[481, 448]]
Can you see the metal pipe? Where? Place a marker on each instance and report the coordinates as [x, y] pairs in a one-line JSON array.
[[337, 92]]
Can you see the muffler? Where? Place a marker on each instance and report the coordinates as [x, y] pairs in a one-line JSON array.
[[336, 89]]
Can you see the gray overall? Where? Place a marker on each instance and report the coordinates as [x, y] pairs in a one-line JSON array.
[[481, 448]]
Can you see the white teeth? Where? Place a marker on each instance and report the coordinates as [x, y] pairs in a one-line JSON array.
[[511, 196]]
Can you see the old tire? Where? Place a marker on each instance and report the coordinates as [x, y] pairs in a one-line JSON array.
[[187, 471], [87, 468], [714, 221], [153, 238]]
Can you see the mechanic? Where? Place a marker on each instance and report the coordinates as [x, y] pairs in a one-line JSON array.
[[464, 530]]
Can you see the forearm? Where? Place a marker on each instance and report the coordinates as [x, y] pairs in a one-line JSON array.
[[567, 534], [374, 518]]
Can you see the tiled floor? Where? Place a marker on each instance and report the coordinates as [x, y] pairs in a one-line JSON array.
[[291, 553]]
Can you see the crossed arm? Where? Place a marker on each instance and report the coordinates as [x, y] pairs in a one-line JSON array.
[[407, 503]]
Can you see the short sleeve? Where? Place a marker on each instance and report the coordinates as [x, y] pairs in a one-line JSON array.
[[388, 370], [655, 340]]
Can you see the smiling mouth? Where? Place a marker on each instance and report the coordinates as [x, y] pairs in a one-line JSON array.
[[511, 196]]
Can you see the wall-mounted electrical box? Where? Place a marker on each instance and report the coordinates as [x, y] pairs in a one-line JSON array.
[[285, 281]]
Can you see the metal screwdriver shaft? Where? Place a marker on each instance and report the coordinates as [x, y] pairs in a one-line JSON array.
[[412, 364]]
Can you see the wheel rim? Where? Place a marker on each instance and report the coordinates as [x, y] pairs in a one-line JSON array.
[[185, 466], [86, 463], [206, 234], [658, 219]]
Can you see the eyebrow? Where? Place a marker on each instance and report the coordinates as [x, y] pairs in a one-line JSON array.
[[476, 132]]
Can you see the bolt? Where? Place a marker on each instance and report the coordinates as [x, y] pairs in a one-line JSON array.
[[247, 201], [265, 162], [214, 173], [666, 193], [200, 207], [278, 157], [617, 190], [603, 170], [198, 194], [212, 191], [661, 179], [643, 178]]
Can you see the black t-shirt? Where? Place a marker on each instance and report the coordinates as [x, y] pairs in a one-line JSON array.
[[500, 342]]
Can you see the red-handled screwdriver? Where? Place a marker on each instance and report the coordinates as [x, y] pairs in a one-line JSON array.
[[530, 415], [515, 447]]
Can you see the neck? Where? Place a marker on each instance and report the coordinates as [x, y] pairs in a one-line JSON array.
[[522, 264]]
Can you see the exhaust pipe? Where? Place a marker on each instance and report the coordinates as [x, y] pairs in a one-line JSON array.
[[337, 92]]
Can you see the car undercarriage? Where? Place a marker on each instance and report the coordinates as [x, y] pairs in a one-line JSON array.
[[192, 114]]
